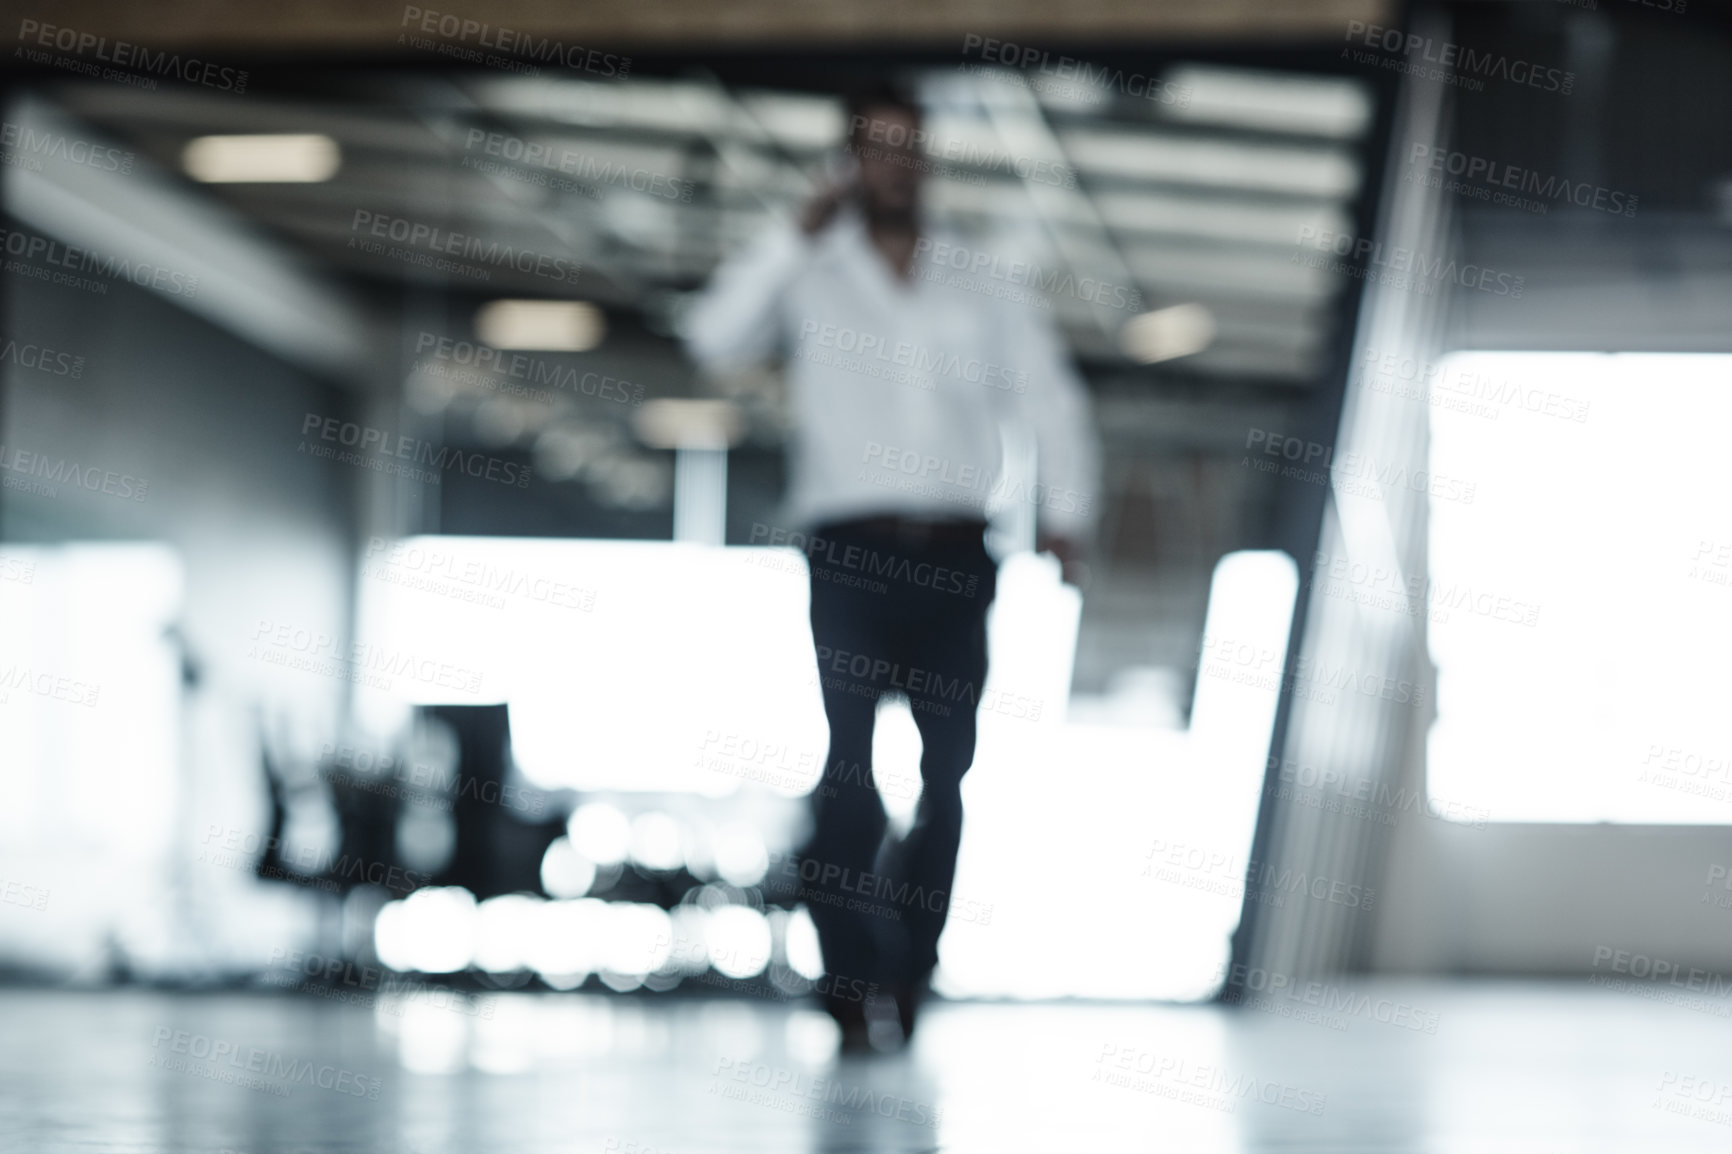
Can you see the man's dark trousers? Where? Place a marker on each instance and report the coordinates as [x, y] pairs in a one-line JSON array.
[[898, 606]]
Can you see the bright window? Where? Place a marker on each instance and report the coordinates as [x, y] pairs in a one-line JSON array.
[[1098, 861], [1599, 510]]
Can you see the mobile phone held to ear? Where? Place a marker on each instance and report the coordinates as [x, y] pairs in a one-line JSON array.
[[839, 184], [842, 169]]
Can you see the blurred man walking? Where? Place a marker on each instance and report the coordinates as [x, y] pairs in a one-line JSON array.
[[902, 384]]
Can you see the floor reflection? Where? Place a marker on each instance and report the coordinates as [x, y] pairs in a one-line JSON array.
[[1533, 1067]]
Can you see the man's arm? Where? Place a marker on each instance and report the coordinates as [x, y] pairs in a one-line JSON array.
[[735, 321], [1056, 405]]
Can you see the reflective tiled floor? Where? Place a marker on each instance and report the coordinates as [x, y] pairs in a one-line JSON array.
[[1433, 1068]]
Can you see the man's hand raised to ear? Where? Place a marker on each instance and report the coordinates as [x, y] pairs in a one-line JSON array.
[[822, 208]]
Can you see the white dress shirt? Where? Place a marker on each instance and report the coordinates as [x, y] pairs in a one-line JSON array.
[[901, 391]]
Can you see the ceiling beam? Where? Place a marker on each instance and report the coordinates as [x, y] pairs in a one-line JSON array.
[[374, 26]]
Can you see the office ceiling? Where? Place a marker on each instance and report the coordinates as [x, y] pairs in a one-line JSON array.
[[1194, 197]]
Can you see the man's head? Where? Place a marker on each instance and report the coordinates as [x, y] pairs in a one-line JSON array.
[[884, 134]]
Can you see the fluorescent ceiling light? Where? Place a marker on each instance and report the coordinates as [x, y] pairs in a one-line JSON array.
[[798, 121], [1211, 216], [653, 105], [678, 423], [1168, 333], [544, 326], [1175, 269], [288, 158], [1273, 102], [1296, 170]]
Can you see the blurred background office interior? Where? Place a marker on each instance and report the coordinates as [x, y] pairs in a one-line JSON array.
[[406, 659]]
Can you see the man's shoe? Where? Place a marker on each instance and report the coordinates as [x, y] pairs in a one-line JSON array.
[[883, 1023], [908, 1001], [850, 1018], [856, 1039]]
